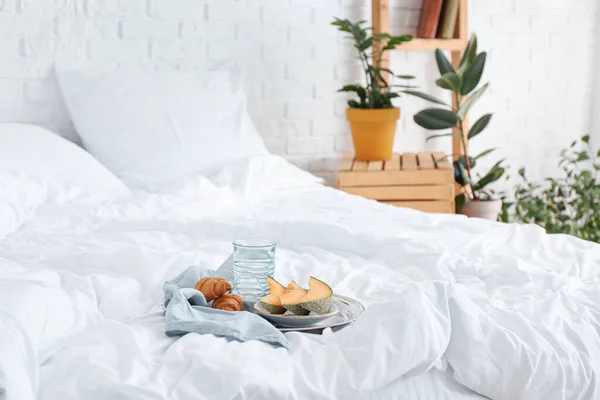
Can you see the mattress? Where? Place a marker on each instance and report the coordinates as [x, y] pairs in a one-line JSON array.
[[456, 308]]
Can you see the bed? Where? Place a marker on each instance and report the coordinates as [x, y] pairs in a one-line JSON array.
[[456, 308]]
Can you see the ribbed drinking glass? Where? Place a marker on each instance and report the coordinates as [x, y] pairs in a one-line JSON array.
[[253, 262]]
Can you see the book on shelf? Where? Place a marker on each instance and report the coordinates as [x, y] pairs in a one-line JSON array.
[[430, 17], [448, 18]]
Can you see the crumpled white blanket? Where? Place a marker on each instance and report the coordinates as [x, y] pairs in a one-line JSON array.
[[456, 308]]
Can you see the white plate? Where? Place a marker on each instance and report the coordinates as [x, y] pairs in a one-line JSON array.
[[296, 321], [349, 311]]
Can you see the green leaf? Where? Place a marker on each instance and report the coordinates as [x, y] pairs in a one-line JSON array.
[[359, 90], [351, 88], [492, 176], [343, 25], [472, 75], [354, 104], [450, 81], [425, 96], [472, 161], [381, 36], [443, 63], [358, 33], [522, 172], [407, 77], [406, 87], [436, 118], [385, 70], [460, 173], [394, 41], [480, 125], [470, 53], [483, 153], [442, 135], [464, 109], [365, 44], [585, 138], [583, 156]]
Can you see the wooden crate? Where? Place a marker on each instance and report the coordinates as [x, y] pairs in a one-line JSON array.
[[423, 181]]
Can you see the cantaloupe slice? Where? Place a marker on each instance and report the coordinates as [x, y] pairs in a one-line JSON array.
[[272, 301], [318, 298], [294, 293]]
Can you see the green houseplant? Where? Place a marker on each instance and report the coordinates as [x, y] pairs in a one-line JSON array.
[[371, 115], [476, 199], [569, 204]]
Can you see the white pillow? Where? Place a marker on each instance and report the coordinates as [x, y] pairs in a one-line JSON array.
[[45, 155], [258, 177], [156, 128]]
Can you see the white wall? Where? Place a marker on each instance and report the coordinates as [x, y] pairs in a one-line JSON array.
[[540, 65], [595, 140]]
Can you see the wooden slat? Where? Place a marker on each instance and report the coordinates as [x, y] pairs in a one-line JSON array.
[[396, 178], [346, 162], [380, 18], [441, 161], [360, 165], [457, 148], [425, 161], [461, 32], [375, 166], [403, 192], [462, 23], [426, 206], [409, 161], [393, 164]]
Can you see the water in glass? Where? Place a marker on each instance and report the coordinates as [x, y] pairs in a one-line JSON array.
[[253, 262]]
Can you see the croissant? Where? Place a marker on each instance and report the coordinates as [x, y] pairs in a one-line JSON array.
[[212, 288], [229, 302]]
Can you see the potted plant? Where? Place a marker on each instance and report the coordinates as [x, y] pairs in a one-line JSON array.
[[565, 204], [372, 116], [475, 200]]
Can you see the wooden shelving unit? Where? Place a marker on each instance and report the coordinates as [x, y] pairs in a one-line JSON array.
[[381, 24], [432, 44]]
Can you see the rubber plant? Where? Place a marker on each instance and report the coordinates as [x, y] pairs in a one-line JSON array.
[[568, 204], [371, 114], [464, 85]]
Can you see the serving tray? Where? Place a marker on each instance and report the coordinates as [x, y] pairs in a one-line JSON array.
[[348, 311]]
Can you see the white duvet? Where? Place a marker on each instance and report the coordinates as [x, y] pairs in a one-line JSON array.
[[455, 308]]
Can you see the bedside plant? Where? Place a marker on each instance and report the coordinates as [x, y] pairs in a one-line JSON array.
[[372, 115], [476, 199], [569, 204]]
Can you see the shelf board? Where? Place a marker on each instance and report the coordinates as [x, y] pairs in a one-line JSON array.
[[432, 44]]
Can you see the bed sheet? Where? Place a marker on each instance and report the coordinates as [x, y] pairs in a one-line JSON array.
[[456, 308]]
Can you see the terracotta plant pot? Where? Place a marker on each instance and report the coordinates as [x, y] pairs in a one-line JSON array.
[[486, 209], [373, 132]]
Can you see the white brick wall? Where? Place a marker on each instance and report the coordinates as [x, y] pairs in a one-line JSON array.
[[540, 65]]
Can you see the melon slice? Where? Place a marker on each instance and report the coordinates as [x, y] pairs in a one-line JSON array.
[[272, 301], [318, 298], [292, 297]]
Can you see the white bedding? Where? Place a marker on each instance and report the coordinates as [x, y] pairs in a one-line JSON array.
[[456, 308]]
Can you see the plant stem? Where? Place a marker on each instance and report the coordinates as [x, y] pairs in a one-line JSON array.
[[465, 148], [365, 60]]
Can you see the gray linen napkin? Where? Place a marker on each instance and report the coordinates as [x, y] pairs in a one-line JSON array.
[[187, 311]]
